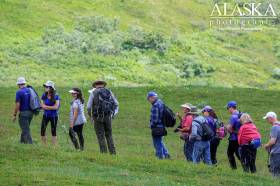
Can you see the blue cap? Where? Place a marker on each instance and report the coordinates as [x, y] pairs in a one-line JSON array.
[[151, 94], [231, 104], [207, 109]]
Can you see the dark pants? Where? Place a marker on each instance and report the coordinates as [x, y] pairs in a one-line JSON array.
[[275, 165], [214, 143], [25, 118], [73, 133], [188, 149], [45, 121], [248, 158], [103, 129], [233, 149]]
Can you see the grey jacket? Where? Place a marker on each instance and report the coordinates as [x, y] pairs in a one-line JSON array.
[[196, 134]]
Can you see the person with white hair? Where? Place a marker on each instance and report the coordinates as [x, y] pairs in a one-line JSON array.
[[273, 145]]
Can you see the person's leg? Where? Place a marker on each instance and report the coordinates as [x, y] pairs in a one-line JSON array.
[[230, 154], [197, 152], [236, 149], [158, 147], [213, 150], [188, 149], [109, 135], [24, 122], [164, 149], [53, 129], [73, 137], [99, 130], [44, 125], [275, 165], [206, 153], [253, 168], [245, 158], [80, 136]]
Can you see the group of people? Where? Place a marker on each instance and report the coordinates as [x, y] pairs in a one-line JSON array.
[[102, 107], [203, 130]]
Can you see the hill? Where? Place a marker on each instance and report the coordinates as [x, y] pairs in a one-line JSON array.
[[132, 43]]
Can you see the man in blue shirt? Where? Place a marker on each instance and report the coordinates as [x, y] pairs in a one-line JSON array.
[[25, 113], [156, 122], [233, 128]]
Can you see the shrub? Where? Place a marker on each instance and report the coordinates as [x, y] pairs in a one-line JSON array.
[[276, 73]]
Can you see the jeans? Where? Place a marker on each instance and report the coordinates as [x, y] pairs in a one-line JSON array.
[[201, 149], [161, 150], [77, 129], [248, 158], [214, 143], [275, 165], [233, 149], [103, 129], [25, 118], [188, 149]]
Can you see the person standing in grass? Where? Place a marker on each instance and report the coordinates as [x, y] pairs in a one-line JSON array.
[[212, 120], [249, 139], [233, 128], [22, 107], [273, 146], [185, 130], [201, 147], [77, 118], [157, 126], [50, 104], [102, 107]]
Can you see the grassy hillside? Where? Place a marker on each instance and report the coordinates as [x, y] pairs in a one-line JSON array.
[[135, 163], [131, 43]]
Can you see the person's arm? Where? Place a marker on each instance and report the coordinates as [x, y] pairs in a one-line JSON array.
[[54, 107], [16, 109], [75, 115], [194, 134], [273, 138], [89, 104], [179, 116], [116, 104], [239, 135], [154, 116]]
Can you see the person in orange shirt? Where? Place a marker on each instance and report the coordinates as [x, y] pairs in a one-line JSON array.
[[185, 129]]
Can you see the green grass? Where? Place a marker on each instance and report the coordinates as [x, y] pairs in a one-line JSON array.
[[135, 163]]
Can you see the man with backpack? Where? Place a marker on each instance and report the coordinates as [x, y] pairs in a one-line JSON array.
[[273, 145], [22, 107], [233, 128], [157, 125], [201, 135], [102, 107]]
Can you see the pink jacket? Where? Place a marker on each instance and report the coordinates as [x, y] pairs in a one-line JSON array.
[[186, 123], [247, 133]]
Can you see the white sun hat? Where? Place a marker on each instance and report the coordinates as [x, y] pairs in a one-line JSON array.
[[21, 81]]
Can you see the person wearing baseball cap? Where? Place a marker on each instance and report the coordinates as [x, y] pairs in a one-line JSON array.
[[22, 107], [273, 145], [50, 105], [233, 128], [185, 128], [157, 126]]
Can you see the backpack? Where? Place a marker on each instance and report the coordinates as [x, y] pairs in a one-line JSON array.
[[103, 102], [35, 103], [222, 132], [207, 132], [168, 117]]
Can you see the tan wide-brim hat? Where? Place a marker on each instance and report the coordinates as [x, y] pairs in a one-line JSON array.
[[99, 82]]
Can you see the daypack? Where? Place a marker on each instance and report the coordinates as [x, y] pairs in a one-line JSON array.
[[34, 103], [256, 143], [103, 102], [168, 117], [207, 132], [222, 131]]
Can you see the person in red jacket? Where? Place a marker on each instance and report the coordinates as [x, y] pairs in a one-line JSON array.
[[249, 140]]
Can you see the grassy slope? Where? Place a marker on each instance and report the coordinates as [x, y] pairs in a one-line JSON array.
[[135, 163], [226, 52]]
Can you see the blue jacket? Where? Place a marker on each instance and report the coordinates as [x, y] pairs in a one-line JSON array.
[[156, 114]]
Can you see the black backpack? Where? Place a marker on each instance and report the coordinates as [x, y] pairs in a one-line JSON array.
[[207, 132], [168, 117], [103, 102]]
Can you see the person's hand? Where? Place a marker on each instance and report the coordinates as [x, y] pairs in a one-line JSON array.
[[177, 114], [71, 125], [266, 147], [43, 106], [14, 118]]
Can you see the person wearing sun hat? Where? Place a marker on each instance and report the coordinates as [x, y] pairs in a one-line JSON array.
[[273, 145], [77, 118], [22, 107], [185, 129], [201, 147], [50, 102], [102, 107]]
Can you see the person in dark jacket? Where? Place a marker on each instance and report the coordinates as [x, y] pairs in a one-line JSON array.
[[156, 123]]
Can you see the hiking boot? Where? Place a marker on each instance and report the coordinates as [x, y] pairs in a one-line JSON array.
[[168, 157]]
